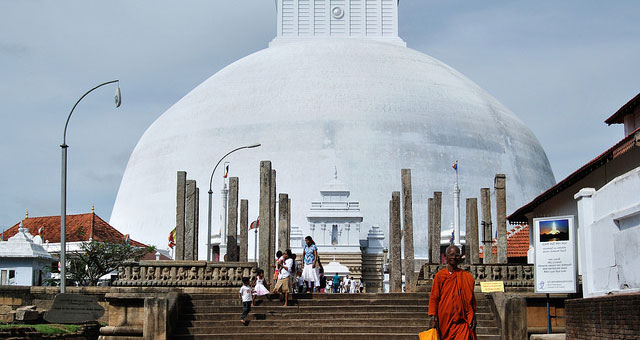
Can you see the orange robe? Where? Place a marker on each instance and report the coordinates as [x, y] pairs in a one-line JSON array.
[[453, 301]]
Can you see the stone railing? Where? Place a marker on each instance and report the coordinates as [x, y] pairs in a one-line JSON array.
[[184, 274], [513, 275]]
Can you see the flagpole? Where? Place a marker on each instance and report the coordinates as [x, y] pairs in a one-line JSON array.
[[456, 209], [255, 245]]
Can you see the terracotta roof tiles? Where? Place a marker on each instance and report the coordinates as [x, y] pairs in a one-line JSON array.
[[80, 227]]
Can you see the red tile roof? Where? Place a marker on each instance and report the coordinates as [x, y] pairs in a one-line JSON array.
[[517, 242], [618, 117], [624, 145], [80, 227]]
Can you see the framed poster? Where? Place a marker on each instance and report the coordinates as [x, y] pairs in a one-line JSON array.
[[555, 255]]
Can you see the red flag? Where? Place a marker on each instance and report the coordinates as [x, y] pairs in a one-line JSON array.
[[255, 224], [455, 166]]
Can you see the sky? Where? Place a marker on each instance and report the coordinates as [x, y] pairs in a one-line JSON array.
[[562, 67]]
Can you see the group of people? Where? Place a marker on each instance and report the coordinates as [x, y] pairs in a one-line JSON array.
[[346, 285], [452, 303]]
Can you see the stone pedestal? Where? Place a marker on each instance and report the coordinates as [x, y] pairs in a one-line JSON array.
[[180, 201], [264, 259], [407, 229], [395, 247], [487, 238], [501, 216], [283, 222], [244, 230], [472, 242], [232, 223]]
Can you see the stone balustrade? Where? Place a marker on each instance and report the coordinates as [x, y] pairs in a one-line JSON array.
[[184, 274], [513, 275]]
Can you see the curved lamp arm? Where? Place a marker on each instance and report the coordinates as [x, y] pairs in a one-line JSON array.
[[118, 100], [223, 157]]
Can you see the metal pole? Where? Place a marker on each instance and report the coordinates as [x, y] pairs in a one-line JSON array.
[[211, 192], [63, 185], [255, 245], [63, 219], [209, 228], [548, 316]]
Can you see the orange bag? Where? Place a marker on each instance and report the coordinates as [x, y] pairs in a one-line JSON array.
[[431, 334]]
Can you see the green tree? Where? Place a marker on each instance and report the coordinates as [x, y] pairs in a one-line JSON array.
[[96, 259]]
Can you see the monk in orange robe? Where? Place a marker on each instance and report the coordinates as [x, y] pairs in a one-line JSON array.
[[452, 304]]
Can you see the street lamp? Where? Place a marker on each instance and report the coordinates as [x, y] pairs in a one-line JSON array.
[[211, 193], [63, 204]]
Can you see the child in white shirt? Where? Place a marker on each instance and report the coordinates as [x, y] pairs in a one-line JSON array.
[[245, 296]]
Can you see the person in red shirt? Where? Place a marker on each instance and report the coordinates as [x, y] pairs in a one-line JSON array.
[[452, 304]]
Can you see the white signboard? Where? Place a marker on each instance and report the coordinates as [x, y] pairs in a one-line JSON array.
[[555, 255]]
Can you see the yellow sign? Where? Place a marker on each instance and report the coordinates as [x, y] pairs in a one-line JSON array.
[[492, 286]]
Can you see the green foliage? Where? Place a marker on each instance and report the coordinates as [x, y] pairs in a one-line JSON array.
[[96, 259], [49, 329]]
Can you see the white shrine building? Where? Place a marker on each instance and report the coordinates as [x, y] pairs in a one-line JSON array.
[[335, 224], [23, 260]]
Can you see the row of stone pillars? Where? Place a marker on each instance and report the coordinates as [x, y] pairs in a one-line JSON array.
[[398, 233], [187, 220], [267, 231]]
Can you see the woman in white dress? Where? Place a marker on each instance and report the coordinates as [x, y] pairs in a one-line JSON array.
[[310, 263]]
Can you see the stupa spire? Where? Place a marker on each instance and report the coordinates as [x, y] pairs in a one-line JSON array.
[[361, 19]]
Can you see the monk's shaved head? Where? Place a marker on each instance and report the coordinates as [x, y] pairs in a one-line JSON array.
[[453, 246]]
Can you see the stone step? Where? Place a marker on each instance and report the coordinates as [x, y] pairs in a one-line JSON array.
[[319, 296], [275, 301], [315, 308], [353, 321], [314, 336]]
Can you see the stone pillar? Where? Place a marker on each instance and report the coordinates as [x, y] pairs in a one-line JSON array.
[[437, 224], [430, 250], [499, 184], [190, 220], [244, 231], [180, 197], [283, 222], [232, 224], [156, 315], [395, 245], [273, 222], [264, 231], [289, 223], [485, 202], [471, 228], [196, 233], [407, 229]]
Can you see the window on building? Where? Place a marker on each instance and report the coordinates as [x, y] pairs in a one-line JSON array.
[[334, 234]]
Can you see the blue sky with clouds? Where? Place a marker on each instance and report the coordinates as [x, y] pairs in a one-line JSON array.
[[562, 67]]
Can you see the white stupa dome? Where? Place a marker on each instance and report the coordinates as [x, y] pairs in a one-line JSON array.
[[367, 107]]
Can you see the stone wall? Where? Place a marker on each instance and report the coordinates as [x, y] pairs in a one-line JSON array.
[[184, 274], [513, 275], [42, 297], [609, 317]]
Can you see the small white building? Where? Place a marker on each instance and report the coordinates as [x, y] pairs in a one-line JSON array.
[[24, 262]]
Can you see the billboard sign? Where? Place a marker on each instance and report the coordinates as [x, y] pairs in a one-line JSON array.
[[555, 255]]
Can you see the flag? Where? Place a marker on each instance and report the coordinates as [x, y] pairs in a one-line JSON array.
[[255, 224], [40, 231], [127, 238], [453, 237], [172, 238], [455, 166], [226, 170]]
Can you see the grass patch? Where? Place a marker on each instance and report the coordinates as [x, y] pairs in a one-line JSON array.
[[48, 329]]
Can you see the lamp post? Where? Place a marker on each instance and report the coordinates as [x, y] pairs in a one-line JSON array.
[[63, 203], [211, 193]]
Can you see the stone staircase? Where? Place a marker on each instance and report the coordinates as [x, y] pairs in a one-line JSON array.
[[318, 316]]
